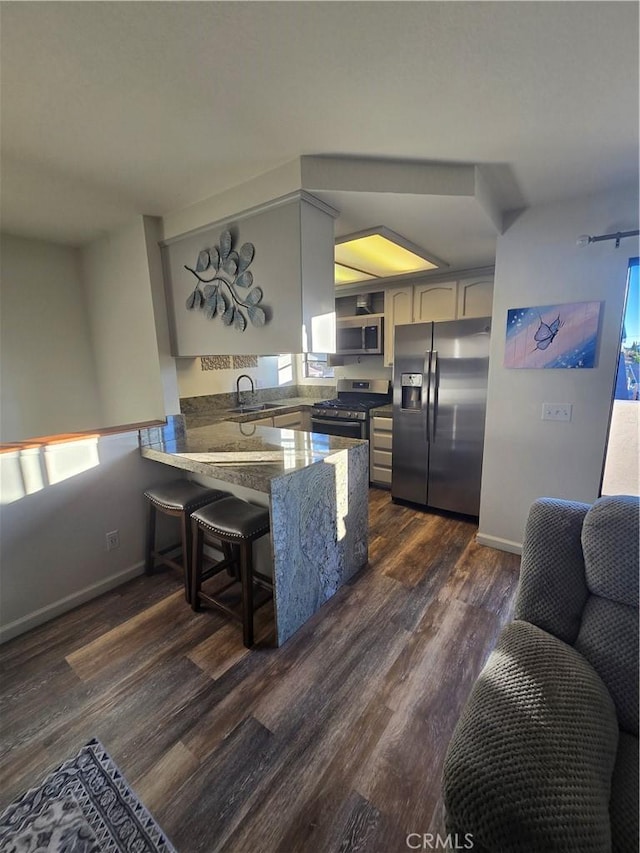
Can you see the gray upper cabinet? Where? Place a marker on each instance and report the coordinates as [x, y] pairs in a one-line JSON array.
[[475, 297], [398, 310], [434, 301], [419, 302]]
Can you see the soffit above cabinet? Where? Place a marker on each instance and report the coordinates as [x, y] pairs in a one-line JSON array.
[[262, 300]]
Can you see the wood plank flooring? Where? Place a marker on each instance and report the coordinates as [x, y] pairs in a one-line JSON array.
[[334, 742]]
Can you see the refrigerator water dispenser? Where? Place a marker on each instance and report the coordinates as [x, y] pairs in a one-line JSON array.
[[411, 384]]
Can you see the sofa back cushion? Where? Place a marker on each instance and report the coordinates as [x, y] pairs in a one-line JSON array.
[[608, 636], [611, 548], [552, 591], [608, 639]]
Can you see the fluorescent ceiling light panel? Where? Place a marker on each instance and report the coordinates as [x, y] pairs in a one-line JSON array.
[[378, 253], [346, 275]]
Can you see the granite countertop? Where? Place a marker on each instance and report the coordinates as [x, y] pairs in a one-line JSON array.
[[243, 453], [218, 415], [382, 411]]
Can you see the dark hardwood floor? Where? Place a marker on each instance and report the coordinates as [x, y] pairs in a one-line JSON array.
[[334, 742]]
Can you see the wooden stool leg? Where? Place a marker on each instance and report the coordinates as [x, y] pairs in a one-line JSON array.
[[197, 551], [246, 579], [150, 539], [230, 553], [187, 551]]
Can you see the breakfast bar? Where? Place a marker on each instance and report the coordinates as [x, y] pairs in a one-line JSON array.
[[316, 488]]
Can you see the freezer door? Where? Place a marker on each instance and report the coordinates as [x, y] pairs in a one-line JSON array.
[[459, 368], [410, 446]]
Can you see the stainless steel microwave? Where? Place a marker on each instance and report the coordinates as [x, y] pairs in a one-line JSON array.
[[361, 335]]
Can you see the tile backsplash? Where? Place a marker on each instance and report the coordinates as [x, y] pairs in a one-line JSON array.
[[244, 361], [228, 362], [215, 362]]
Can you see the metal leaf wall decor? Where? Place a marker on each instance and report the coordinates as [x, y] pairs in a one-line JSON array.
[[219, 272]]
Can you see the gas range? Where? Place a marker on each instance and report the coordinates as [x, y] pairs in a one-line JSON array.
[[356, 397], [350, 409]]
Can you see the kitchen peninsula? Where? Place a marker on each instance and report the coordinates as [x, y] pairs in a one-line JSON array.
[[316, 488]]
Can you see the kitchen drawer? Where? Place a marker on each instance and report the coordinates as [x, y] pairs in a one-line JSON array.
[[261, 422], [381, 424], [382, 457], [381, 440], [381, 475], [380, 447], [290, 419]]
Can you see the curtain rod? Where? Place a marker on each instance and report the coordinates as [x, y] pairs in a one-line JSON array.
[[585, 239]]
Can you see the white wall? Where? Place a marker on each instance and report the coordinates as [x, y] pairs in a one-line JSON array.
[[538, 263], [292, 268], [317, 266], [53, 553], [117, 282], [260, 189], [276, 269], [193, 381], [153, 235], [60, 500], [48, 372]]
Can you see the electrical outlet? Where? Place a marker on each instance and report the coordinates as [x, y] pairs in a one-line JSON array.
[[113, 540], [259, 383], [556, 411]]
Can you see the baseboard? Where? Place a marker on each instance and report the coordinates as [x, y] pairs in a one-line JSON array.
[[500, 544], [57, 608]]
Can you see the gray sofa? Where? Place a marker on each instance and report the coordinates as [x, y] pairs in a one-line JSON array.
[[545, 754]]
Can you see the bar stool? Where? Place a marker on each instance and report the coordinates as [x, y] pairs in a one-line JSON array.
[[236, 523], [178, 498]]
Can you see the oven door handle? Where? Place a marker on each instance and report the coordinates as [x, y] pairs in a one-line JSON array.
[[337, 422]]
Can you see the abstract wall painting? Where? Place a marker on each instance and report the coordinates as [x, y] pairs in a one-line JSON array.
[[552, 335]]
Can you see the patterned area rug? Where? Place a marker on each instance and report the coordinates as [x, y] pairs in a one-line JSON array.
[[85, 806]]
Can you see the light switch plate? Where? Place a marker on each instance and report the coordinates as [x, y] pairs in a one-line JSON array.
[[556, 411]]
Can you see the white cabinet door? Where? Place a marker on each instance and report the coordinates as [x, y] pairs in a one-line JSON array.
[[398, 309], [290, 420], [305, 417], [436, 301], [475, 297], [261, 422]]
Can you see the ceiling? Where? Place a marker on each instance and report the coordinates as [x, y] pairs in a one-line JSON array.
[[115, 109]]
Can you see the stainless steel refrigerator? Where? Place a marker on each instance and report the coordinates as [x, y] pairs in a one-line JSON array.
[[439, 401]]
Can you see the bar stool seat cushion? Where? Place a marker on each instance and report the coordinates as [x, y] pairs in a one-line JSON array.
[[182, 495], [234, 519]]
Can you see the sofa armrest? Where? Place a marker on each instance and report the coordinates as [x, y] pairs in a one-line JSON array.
[[552, 591], [530, 764]]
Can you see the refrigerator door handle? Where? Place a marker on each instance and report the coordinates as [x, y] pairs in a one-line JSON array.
[[434, 385], [426, 396]]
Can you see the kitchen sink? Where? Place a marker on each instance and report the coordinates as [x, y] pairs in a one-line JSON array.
[[260, 407]]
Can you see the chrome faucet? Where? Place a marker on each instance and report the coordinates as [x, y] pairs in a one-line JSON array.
[[238, 395]]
